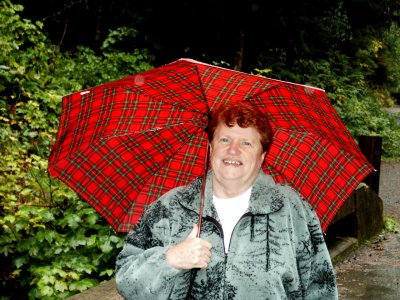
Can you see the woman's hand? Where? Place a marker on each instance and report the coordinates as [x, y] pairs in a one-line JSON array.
[[192, 253]]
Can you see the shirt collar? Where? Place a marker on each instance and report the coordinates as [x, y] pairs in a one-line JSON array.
[[265, 196]]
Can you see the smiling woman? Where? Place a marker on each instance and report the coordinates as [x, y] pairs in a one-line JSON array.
[[259, 239]]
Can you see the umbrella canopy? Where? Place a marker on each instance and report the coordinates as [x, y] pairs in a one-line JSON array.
[[123, 144]]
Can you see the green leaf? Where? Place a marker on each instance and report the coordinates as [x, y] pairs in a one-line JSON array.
[[109, 272], [20, 261], [83, 285], [60, 286]]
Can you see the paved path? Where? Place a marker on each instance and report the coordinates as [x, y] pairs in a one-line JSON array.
[[396, 112], [373, 270], [389, 189]]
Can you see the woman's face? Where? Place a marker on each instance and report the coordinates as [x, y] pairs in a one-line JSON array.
[[236, 155]]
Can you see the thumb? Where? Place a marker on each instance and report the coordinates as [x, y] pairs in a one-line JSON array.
[[193, 233]]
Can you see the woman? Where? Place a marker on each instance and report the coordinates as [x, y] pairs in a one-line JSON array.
[[259, 240]]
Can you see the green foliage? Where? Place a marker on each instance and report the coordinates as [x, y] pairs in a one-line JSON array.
[[391, 225], [52, 244], [364, 115], [358, 103], [389, 57], [59, 249], [358, 67]]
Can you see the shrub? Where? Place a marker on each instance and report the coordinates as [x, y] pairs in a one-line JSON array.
[[52, 243]]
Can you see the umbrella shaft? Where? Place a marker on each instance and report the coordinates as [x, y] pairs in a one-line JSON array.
[[203, 187]]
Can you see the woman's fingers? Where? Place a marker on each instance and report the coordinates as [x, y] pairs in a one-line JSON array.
[[191, 253]]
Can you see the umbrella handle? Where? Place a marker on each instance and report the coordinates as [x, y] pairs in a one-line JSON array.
[[199, 222]]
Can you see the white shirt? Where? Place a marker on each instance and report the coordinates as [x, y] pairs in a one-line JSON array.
[[229, 212]]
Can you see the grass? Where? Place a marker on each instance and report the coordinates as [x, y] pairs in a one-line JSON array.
[[391, 225]]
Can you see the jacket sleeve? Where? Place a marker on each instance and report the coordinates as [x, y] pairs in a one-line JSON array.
[[142, 271], [320, 282]]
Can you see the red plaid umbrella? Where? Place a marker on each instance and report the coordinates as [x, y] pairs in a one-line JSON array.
[[123, 144]]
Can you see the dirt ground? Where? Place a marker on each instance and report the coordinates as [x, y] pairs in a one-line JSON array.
[[373, 270]]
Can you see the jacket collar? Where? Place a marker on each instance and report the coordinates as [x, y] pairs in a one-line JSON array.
[[265, 196]]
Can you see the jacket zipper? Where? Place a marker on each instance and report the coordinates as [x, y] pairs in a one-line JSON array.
[[219, 226]]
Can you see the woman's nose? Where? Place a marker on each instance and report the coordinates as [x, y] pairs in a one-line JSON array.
[[233, 148]]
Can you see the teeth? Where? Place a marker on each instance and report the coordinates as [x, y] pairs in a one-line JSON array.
[[232, 162]]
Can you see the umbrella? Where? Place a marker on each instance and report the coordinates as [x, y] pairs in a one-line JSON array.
[[123, 144]]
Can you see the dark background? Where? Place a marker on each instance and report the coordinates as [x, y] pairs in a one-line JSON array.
[[244, 34]]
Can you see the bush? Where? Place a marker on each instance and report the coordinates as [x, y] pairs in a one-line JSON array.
[[359, 104], [52, 243]]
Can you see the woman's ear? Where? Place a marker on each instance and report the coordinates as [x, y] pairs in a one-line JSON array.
[[263, 157]]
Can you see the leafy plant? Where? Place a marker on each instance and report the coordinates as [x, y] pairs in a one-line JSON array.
[[346, 82], [52, 244], [391, 225]]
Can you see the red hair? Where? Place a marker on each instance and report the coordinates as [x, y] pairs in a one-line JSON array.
[[244, 115]]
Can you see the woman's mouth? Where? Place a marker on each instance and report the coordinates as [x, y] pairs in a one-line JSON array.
[[232, 162]]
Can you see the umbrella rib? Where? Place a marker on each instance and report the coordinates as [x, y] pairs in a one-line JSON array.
[[119, 134]]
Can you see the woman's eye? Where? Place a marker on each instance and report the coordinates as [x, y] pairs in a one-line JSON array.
[[224, 140], [246, 144]]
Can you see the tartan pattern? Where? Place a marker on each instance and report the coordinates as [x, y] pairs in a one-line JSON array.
[[123, 144], [324, 174]]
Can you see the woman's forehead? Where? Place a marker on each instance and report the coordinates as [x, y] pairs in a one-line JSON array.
[[237, 131]]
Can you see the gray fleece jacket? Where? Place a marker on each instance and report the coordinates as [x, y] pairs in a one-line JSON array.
[[277, 249]]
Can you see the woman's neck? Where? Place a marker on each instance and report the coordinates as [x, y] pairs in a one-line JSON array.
[[230, 190]]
